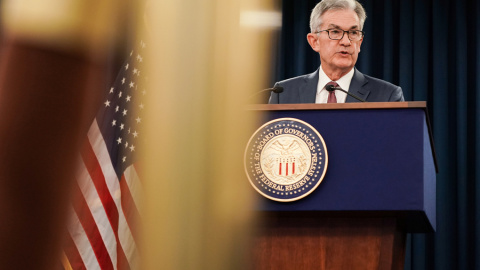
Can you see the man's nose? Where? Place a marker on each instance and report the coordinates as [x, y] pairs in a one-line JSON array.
[[345, 40]]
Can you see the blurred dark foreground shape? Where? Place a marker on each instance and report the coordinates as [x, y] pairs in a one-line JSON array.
[[50, 81]]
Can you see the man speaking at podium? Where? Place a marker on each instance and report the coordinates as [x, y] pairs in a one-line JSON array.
[[336, 34]]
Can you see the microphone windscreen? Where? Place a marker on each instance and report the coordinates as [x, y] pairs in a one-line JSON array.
[[278, 89], [330, 87]]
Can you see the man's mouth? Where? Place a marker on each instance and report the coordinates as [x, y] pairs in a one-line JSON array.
[[344, 53]]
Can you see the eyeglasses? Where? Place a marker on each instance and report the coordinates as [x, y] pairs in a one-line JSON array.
[[337, 34]]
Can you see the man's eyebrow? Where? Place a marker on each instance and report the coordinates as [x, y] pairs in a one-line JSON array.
[[338, 27]]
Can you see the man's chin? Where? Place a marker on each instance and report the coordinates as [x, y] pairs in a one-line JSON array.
[[345, 66]]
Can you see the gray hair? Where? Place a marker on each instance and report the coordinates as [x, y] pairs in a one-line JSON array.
[[325, 5]]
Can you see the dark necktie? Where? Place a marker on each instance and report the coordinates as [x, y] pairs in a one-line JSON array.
[[331, 95]]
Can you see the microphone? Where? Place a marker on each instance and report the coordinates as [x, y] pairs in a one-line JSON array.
[[276, 89], [331, 88]]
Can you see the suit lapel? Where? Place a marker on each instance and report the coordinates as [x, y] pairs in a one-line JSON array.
[[357, 87], [308, 91]]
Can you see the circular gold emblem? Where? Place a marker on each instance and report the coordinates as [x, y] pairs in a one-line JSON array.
[[286, 159]]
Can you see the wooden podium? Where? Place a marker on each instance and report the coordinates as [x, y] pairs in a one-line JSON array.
[[379, 185]]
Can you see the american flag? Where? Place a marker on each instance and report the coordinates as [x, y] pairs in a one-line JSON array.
[[102, 230]]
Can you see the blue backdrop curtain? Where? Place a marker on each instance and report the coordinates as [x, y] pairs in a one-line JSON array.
[[431, 48]]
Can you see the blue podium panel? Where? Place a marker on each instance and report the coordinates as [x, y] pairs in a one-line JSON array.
[[380, 162]]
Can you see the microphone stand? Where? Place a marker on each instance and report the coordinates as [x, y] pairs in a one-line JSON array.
[[331, 88], [276, 89]]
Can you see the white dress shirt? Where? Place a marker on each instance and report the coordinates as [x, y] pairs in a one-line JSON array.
[[343, 82]]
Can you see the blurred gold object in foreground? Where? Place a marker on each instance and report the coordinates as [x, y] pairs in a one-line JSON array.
[[204, 65]]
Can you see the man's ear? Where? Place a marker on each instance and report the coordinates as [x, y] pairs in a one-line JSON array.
[[313, 41], [360, 44]]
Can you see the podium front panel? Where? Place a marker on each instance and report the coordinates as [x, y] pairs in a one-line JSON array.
[[380, 160]]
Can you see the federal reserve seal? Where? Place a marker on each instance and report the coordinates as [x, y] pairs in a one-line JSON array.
[[286, 159]]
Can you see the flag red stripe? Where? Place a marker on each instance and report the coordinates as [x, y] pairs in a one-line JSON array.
[[122, 262], [81, 241], [72, 253], [91, 230], [125, 245], [129, 209], [95, 171]]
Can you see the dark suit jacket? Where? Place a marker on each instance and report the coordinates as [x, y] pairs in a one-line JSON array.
[[303, 89]]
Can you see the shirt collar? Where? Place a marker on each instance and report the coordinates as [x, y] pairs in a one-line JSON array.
[[343, 82]]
